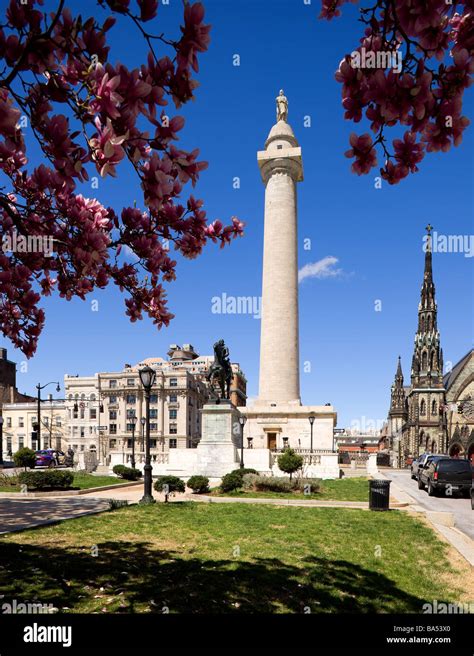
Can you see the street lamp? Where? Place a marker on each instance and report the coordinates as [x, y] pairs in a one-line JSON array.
[[311, 419], [143, 422], [1, 441], [133, 420], [39, 388], [242, 420], [147, 379]]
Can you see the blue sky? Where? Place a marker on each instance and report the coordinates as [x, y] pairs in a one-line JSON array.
[[374, 234]]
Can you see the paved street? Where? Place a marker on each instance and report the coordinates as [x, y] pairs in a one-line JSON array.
[[17, 514], [460, 507]]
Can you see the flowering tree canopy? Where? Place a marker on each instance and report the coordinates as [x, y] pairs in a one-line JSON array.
[[411, 69], [59, 88]]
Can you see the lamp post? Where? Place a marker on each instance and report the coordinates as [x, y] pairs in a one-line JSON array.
[[147, 379], [39, 388], [242, 420], [143, 422], [311, 419], [133, 421], [1, 441]]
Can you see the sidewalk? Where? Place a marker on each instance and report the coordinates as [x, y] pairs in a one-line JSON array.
[[442, 522]]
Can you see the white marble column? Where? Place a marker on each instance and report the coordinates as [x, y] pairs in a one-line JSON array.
[[281, 168]]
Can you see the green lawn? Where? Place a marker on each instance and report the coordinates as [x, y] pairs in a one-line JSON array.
[[230, 558], [344, 489], [82, 481]]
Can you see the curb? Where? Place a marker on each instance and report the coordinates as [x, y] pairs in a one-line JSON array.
[[64, 493]]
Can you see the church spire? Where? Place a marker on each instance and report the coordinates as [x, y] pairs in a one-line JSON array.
[[397, 399], [427, 355]]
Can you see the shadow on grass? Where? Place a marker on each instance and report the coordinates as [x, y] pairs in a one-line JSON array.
[[136, 577]]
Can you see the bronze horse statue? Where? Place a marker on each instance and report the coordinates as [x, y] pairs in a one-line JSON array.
[[221, 369]]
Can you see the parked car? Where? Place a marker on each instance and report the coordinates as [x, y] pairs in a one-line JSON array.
[[418, 464], [46, 458], [425, 460], [442, 474]]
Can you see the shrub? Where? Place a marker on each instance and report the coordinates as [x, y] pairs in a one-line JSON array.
[[248, 481], [289, 462], [273, 484], [199, 484], [24, 458], [9, 481], [174, 483], [231, 481], [310, 485], [131, 474], [128, 473], [48, 479]]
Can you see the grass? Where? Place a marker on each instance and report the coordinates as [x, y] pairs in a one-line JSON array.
[[82, 481], [344, 489], [230, 558]]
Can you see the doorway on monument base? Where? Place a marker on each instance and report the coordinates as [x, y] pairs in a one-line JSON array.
[[271, 441]]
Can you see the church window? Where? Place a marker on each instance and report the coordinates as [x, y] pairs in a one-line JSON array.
[[433, 408], [422, 407], [424, 361]]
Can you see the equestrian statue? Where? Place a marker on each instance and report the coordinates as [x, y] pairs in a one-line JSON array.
[[222, 370]]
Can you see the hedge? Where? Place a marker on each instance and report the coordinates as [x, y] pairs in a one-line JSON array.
[[54, 479]]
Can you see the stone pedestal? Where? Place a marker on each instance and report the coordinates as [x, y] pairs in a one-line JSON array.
[[217, 452]]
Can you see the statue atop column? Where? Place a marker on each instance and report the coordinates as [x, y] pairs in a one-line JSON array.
[[282, 107]]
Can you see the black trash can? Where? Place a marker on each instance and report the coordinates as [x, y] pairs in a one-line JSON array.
[[379, 494]]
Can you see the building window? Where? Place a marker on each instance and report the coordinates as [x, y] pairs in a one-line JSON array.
[[173, 414], [130, 413], [93, 414], [173, 443], [153, 398], [130, 382], [21, 422], [173, 382], [45, 421], [153, 413], [152, 444], [422, 407], [83, 432], [129, 427], [9, 444], [92, 397], [129, 444], [112, 429], [173, 429], [58, 422], [433, 408], [131, 399], [112, 384], [9, 422], [112, 444], [113, 399], [173, 398], [153, 427], [112, 414], [21, 441], [82, 413], [75, 447]]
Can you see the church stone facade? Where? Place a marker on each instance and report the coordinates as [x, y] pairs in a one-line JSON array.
[[422, 415]]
